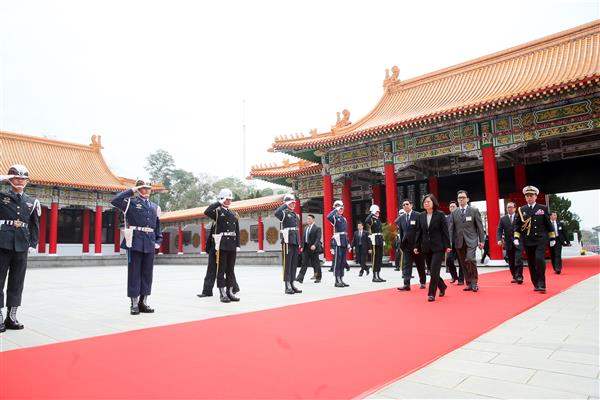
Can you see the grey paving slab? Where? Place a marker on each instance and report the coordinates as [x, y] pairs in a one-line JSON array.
[[577, 384], [413, 390], [571, 368], [511, 390]]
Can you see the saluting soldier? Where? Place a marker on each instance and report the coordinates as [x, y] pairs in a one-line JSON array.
[[534, 229], [339, 223], [290, 243], [142, 238], [226, 242], [19, 229], [211, 267], [373, 225]]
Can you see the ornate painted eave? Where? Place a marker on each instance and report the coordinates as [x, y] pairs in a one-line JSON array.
[[266, 203], [279, 173], [556, 64]]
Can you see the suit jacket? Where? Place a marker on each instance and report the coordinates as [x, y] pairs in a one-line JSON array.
[[26, 210], [143, 214], [561, 234], [314, 238], [467, 228], [407, 229], [432, 238], [506, 230], [450, 232], [361, 242]]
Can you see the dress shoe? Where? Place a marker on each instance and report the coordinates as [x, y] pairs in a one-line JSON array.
[[367, 271], [361, 272], [331, 269], [145, 308], [468, 288], [380, 278], [475, 288], [404, 288], [295, 289], [430, 298], [542, 290], [224, 298], [453, 280], [347, 268], [288, 289], [460, 283], [396, 269], [513, 281], [422, 286], [204, 295], [318, 280], [13, 325], [557, 272], [337, 284], [520, 281], [442, 292], [343, 283], [134, 309], [231, 296]]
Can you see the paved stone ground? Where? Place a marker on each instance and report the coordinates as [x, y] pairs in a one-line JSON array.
[[550, 351]]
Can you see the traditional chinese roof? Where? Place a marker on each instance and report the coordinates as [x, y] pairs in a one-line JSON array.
[[57, 163], [278, 173], [265, 203], [555, 63]]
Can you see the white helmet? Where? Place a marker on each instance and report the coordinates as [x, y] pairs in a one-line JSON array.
[[225, 194], [289, 198], [338, 203], [18, 171], [374, 208]]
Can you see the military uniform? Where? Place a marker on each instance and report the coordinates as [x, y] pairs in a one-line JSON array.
[[141, 215], [19, 230], [227, 233], [341, 245], [211, 267], [533, 228], [290, 245], [373, 226]]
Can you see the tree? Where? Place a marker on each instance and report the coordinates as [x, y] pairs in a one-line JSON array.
[[240, 189], [160, 166], [561, 206]]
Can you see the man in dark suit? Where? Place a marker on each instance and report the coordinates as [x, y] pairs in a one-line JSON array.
[[561, 239], [534, 229], [505, 235], [467, 229], [311, 248], [360, 247], [452, 257], [407, 229]]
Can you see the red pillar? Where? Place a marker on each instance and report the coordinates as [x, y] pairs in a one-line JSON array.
[[376, 189], [180, 241], [261, 235], [298, 211], [53, 228], [98, 231], [347, 199], [520, 177], [202, 238], [391, 199], [327, 207], [42, 237], [492, 198], [434, 188], [117, 230], [85, 234]]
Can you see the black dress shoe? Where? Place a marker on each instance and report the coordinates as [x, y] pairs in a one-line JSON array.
[[134, 310], [468, 288], [231, 296], [367, 271], [13, 325], [224, 298], [519, 281], [536, 289], [422, 286], [404, 288], [442, 292], [475, 288], [557, 272], [542, 290], [361, 272], [318, 280], [330, 269], [396, 269], [289, 291], [295, 289], [430, 298], [338, 284], [204, 295], [145, 309], [344, 283]]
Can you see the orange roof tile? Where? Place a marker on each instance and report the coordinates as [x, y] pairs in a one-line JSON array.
[[57, 163], [241, 206], [564, 60], [285, 170]]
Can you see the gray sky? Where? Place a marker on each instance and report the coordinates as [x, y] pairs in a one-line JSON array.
[[173, 74]]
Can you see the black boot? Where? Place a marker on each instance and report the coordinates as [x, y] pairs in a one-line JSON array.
[[11, 320], [288, 288], [367, 271], [224, 297], [231, 295], [380, 278], [134, 309], [144, 308], [294, 288], [318, 279], [361, 272], [338, 282], [343, 283], [2, 327], [375, 279]]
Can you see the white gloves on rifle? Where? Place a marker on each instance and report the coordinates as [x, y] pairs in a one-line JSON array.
[[516, 242], [552, 243], [156, 246]]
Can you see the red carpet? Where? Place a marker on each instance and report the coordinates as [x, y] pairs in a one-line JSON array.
[[338, 348]]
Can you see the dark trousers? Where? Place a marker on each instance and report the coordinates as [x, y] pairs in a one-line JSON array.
[[225, 274], [211, 275], [434, 262], [399, 253], [408, 259], [515, 262], [451, 260], [537, 264], [13, 264], [361, 257], [469, 265], [377, 257], [339, 261], [290, 261], [310, 259], [556, 256], [139, 273]]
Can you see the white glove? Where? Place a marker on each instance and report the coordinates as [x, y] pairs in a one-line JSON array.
[[349, 248], [156, 246], [32, 250], [238, 248], [552, 243], [5, 177], [135, 189], [221, 201], [516, 242], [338, 208]]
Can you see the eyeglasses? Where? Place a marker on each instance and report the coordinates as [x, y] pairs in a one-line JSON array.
[[406, 204], [462, 197]]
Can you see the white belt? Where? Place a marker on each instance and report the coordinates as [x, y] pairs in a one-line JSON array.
[[376, 234], [293, 228], [340, 233], [228, 234], [142, 228], [15, 223]]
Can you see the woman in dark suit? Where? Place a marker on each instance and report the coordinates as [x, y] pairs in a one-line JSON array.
[[432, 239]]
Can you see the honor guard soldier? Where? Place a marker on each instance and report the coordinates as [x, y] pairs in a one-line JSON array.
[[373, 225], [142, 236], [339, 223], [211, 267], [227, 243], [19, 229], [290, 243], [534, 229]]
